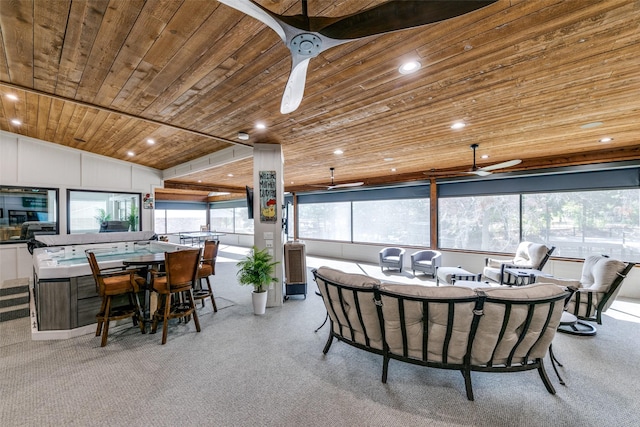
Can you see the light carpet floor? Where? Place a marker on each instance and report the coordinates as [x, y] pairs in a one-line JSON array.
[[247, 370]]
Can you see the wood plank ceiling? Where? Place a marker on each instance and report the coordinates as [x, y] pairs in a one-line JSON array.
[[530, 78]]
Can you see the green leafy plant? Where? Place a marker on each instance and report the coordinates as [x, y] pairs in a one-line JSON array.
[[133, 218], [257, 270], [102, 216]]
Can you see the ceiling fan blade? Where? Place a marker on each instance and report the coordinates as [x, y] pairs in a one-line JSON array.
[[346, 185], [479, 172], [294, 89], [258, 12], [398, 15], [502, 165]]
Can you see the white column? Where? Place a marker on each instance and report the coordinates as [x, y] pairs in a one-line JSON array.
[[268, 198]]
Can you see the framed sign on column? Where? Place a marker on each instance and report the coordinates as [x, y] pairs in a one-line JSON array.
[[268, 196]]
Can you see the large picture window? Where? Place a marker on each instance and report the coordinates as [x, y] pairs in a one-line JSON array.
[[27, 211], [328, 221], [583, 223], [102, 212], [401, 222], [482, 223], [179, 220]]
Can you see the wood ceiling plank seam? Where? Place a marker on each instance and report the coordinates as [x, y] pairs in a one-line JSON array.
[[155, 81], [44, 108], [118, 145], [88, 118], [410, 39], [70, 129], [103, 132], [29, 115], [196, 74], [117, 23], [180, 78], [361, 83], [493, 83], [90, 131], [50, 23], [16, 21], [63, 121], [4, 65], [435, 61], [143, 35], [52, 120], [81, 31]]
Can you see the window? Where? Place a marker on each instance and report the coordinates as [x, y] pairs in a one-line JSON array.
[[329, 221], [222, 219], [25, 212], [101, 212], [483, 223], [178, 220], [242, 222], [402, 222], [584, 223]]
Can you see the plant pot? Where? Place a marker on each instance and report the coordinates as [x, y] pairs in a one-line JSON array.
[[259, 300]]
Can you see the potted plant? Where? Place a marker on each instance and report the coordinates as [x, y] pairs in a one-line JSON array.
[[257, 270]]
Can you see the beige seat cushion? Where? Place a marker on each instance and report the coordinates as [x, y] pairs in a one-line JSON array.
[[537, 339], [437, 320], [344, 312]]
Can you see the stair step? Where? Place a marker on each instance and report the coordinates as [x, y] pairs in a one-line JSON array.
[[16, 300], [14, 314], [14, 290]]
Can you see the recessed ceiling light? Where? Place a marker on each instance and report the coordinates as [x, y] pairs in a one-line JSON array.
[[591, 125], [199, 180], [388, 159], [12, 97], [409, 67], [243, 136], [260, 125], [16, 122], [393, 169], [151, 141], [130, 153], [230, 175], [484, 156], [606, 139], [458, 125], [338, 152]]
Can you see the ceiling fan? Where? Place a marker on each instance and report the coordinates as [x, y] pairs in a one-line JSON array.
[[475, 170], [306, 37], [334, 185]]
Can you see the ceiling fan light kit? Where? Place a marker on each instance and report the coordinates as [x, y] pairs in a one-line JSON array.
[[307, 37]]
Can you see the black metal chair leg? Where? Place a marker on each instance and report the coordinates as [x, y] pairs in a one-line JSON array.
[[323, 323], [554, 362]]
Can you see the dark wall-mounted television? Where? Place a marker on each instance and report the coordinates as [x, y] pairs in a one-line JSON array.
[[249, 191]]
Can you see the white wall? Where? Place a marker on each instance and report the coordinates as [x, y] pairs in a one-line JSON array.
[[29, 162]]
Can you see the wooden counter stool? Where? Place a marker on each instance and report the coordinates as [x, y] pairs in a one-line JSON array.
[[112, 283], [175, 289], [207, 268]]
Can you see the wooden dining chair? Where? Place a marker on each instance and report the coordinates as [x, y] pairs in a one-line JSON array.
[[175, 289], [112, 283], [207, 268]]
